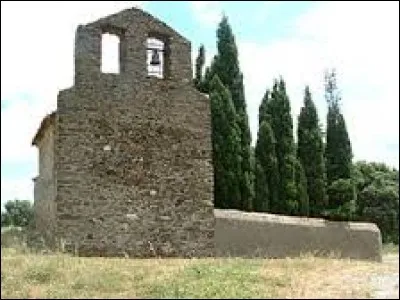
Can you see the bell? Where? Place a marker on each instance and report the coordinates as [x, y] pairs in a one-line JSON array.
[[155, 58]]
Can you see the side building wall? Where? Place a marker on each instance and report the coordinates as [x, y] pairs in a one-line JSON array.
[[265, 235], [45, 185]]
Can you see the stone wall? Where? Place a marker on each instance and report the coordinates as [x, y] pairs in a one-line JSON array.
[[266, 235], [133, 153], [44, 183]]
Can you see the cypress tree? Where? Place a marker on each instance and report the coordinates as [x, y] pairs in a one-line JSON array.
[[246, 175], [261, 201], [264, 109], [310, 154], [282, 125], [226, 147], [226, 65], [200, 60], [301, 189], [205, 84], [266, 170], [346, 154], [277, 111], [266, 165], [338, 152]]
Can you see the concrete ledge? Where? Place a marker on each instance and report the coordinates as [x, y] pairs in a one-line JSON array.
[[266, 235]]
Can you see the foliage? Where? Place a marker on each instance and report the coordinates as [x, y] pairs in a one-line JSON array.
[[226, 147], [378, 197], [275, 108], [301, 190], [340, 192], [310, 152], [200, 61], [17, 213], [342, 201], [226, 65], [266, 170], [338, 151]]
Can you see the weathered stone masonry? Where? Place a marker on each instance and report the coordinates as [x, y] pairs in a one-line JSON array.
[[132, 154], [125, 164], [45, 185]]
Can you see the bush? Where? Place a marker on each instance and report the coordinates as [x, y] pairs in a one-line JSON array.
[[378, 197], [345, 212], [381, 206], [342, 201], [342, 193]]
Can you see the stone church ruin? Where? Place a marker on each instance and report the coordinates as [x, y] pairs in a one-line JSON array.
[[125, 162]]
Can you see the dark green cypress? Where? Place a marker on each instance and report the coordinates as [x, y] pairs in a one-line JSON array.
[[266, 170], [310, 152], [200, 60], [338, 152], [278, 110], [266, 182], [226, 147], [301, 189], [226, 65], [291, 182], [338, 155]]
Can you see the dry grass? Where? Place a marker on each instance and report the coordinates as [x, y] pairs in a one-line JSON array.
[[312, 277], [25, 275], [62, 276]]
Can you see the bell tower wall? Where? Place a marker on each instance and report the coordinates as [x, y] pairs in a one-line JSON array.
[[133, 153]]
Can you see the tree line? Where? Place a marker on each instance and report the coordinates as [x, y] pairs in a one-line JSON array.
[[315, 177]]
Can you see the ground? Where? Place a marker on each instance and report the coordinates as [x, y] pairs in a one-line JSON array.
[[28, 275], [386, 286]]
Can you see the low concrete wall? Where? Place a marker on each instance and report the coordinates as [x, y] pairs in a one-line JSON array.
[[266, 235]]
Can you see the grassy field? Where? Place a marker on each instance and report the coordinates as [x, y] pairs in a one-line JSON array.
[[26, 275]]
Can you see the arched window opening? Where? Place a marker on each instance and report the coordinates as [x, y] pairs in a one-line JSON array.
[[110, 60], [155, 58]]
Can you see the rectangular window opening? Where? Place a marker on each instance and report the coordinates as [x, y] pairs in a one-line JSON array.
[[110, 60]]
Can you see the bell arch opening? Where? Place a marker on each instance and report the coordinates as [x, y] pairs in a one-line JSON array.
[[156, 57]]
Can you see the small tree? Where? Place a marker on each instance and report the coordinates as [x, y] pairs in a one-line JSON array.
[[17, 213], [378, 197]]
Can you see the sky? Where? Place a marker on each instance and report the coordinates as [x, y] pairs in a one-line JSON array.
[[295, 40]]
